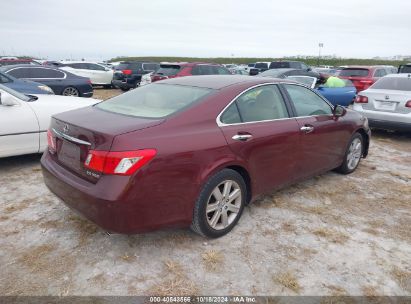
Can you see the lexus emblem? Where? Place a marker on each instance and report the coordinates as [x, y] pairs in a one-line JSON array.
[[66, 128], [387, 97]]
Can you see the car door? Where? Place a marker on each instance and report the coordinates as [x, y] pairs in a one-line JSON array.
[[99, 74], [322, 135], [260, 131], [19, 128]]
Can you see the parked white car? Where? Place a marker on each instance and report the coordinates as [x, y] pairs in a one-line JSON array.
[[387, 103], [24, 119], [98, 73]]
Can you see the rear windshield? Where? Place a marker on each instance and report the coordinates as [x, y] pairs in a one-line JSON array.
[[354, 72], [393, 83], [168, 70], [279, 65], [261, 65], [129, 66], [154, 100], [405, 69]]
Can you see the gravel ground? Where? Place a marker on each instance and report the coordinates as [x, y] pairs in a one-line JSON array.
[[329, 235]]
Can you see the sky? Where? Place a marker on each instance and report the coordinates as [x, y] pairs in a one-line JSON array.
[[102, 29]]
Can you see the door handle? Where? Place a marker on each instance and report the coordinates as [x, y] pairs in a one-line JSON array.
[[242, 137], [307, 129]]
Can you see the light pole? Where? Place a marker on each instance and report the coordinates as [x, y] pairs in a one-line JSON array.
[[320, 46]]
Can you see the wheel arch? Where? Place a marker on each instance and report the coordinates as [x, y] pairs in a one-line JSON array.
[[366, 138]]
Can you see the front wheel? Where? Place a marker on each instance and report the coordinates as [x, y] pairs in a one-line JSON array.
[[70, 91], [220, 204], [352, 155]]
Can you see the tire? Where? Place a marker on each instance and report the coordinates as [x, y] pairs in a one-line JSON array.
[[108, 86], [125, 89], [70, 91], [353, 155], [223, 214]]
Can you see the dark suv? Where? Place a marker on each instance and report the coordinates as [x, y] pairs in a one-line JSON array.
[[406, 68], [127, 75], [180, 69]]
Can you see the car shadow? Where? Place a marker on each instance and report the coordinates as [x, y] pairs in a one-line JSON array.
[[20, 161]]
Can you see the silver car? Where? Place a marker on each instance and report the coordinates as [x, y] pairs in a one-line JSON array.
[[387, 103]]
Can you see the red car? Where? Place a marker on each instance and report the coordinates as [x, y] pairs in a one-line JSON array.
[[181, 69], [193, 151], [363, 76]]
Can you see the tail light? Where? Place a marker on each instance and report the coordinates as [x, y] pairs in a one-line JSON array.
[[127, 72], [408, 104], [361, 99], [366, 81], [51, 142], [89, 81], [118, 163]]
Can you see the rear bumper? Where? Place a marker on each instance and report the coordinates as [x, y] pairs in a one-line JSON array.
[[87, 94], [110, 203], [123, 84], [386, 120]]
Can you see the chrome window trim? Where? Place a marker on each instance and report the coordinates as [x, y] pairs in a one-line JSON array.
[[221, 124], [65, 75]]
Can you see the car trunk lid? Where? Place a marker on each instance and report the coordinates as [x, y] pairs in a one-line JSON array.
[[77, 132], [387, 101]]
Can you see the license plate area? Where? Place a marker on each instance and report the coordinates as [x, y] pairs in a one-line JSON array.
[[69, 155], [385, 105]]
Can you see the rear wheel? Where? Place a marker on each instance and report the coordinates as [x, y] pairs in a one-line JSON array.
[[220, 204], [352, 155], [125, 89], [70, 91]]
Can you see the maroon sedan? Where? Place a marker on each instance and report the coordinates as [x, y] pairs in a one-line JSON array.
[[193, 151]]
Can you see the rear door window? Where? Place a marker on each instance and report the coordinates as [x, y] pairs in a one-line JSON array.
[[393, 83], [150, 67], [221, 71], [261, 65], [20, 73], [39, 73], [95, 67], [262, 103], [306, 102], [354, 72], [380, 73]]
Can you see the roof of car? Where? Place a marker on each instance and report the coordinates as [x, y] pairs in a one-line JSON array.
[[218, 81], [9, 67], [189, 63], [361, 67], [401, 75]]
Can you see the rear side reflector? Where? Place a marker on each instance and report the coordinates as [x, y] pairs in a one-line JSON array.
[[361, 99], [118, 163], [51, 142], [408, 104]]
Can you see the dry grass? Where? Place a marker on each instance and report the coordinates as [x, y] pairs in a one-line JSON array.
[[175, 282], [288, 227], [336, 290], [331, 235], [128, 258], [36, 258], [85, 227], [288, 280], [17, 206], [370, 291], [212, 259], [403, 278]]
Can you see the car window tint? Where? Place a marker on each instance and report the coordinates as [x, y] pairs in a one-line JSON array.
[[306, 102], [221, 71], [393, 83], [352, 72], [262, 103], [168, 70], [380, 73], [154, 100], [231, 115], [20, 73], [150, 66], [39, 73], [261, 65], [95, 67]]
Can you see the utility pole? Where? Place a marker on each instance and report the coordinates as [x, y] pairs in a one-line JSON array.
[[320, 46]]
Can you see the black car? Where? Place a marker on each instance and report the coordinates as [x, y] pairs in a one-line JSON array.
[[127, 75], [61, 82], [289, 65], [283, 73]]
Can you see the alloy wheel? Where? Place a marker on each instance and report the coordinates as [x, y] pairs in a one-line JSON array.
[[70, 91], [354, 154], [223, 205]]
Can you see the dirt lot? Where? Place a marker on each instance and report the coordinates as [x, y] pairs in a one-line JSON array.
[[330, 235]]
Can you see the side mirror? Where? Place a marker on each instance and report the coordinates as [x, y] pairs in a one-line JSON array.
[[339, 111], [7, 100]]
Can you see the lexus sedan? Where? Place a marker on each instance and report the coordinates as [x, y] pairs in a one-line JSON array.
[[193, 151], [61, 82], [387, 103]]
